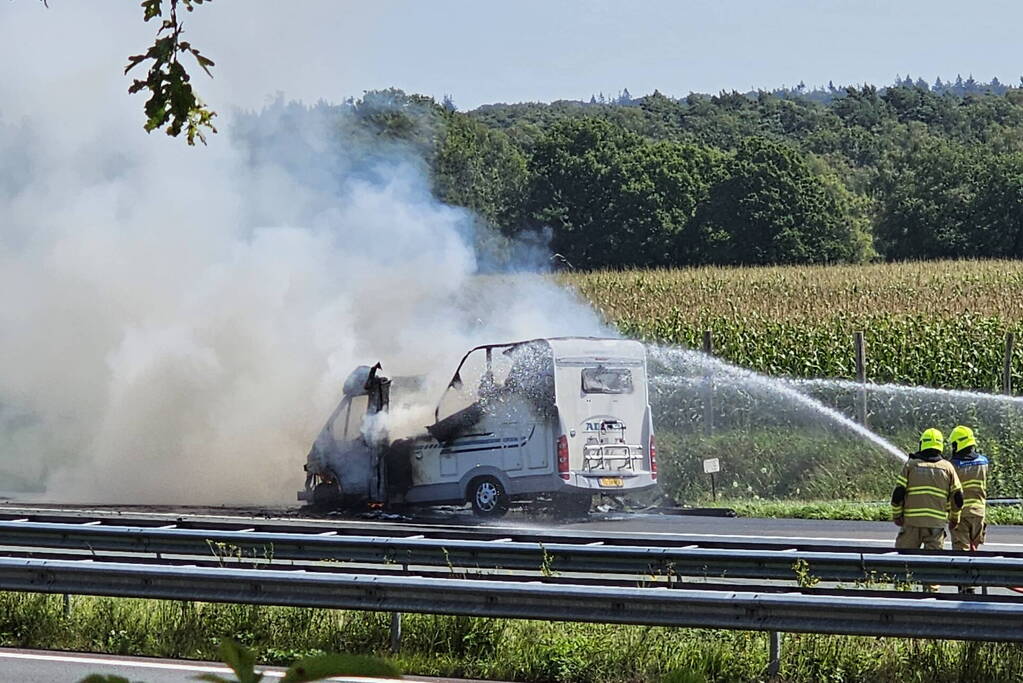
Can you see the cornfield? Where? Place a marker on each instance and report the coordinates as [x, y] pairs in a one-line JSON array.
[[940, 325]]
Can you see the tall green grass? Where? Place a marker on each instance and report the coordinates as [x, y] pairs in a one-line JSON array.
[[486, 648], [879, 511]]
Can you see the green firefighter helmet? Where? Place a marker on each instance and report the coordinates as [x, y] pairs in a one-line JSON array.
[[932, 438], [961, 437]]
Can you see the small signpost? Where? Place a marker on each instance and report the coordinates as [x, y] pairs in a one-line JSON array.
[[710, 466]]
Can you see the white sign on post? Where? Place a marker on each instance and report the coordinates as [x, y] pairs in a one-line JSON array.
[[711, 466]]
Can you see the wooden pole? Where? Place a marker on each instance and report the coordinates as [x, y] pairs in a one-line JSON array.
[[1010, 343], [860, 347], [708, 386]]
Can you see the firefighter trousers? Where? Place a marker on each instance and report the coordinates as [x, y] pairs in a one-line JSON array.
[[915, 537], [971, 531]]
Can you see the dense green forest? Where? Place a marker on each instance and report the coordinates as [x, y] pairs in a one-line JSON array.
[[908, 171]]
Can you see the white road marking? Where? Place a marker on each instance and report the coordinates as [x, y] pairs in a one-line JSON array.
[[166, 666], [810, 539], [772, 538], [514, 526]]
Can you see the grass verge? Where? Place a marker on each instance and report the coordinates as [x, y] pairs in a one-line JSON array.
[[488, 648], [845, 510]]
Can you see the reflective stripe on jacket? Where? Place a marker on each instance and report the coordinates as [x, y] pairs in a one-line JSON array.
[[972, 472], [930, 493]]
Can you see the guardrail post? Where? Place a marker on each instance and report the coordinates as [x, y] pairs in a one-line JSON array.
[[773, 653], [395, 632], [67, 605]]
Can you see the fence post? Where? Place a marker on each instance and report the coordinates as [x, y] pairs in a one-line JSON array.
[[708, 386], [861, 375], [395, 632], [1010, 342], [773, 653]]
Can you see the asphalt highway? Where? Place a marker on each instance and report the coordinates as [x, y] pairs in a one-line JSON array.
[[45, 666], [632, 525], [738, 529], [826, 532]]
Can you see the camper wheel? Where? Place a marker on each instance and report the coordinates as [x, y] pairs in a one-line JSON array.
[[488, 497], [327, 496]]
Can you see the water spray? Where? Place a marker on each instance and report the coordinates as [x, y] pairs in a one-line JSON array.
[[688, 366], [910, 392]]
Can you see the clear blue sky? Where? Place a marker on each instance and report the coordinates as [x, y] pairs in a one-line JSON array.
[[482, 51]]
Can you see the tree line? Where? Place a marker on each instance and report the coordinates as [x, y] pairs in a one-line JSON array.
[[905, 172]]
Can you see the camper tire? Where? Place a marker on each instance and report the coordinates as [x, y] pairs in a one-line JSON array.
[[326, 496], [488, 498]]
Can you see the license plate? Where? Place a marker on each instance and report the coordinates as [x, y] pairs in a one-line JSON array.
[[612, 481]]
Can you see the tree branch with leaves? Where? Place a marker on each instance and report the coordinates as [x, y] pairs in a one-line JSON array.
[[173, 104]]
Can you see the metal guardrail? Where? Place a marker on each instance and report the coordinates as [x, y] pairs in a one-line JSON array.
[[399, 528], [878, 616], [437, 530], [847, 566]]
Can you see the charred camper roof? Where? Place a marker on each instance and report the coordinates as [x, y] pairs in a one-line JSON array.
[[564, 351], [577, 348], [569, 350]]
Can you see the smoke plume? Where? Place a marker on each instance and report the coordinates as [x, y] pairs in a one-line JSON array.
[[176, 324]]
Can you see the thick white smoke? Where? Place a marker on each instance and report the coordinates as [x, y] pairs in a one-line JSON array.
[[175, 324]]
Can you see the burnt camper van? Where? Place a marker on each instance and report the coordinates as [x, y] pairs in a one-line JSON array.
[[563, 418]]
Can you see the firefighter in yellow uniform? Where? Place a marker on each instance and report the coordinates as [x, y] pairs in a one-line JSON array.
[[927, 496], [972, 468]]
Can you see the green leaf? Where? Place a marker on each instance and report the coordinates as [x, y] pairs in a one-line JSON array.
[[241, 660], [151, 9], [327, 666], [173, 104], [134, 61]]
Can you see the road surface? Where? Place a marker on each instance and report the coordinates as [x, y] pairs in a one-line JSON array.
[[826, 532], [738, 529], [46, 666]]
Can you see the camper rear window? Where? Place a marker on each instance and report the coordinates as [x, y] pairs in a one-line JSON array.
[[602, 380]]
